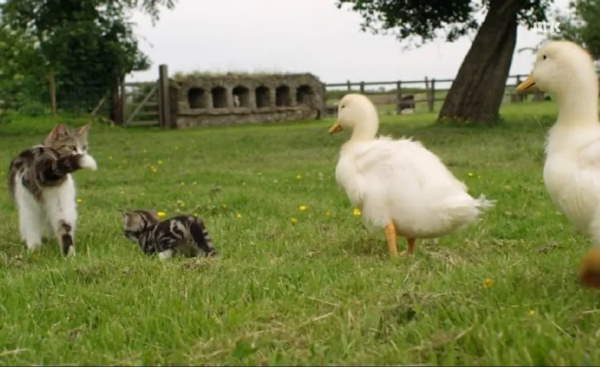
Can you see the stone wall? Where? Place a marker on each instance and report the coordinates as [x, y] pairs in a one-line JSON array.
[[248, 98]]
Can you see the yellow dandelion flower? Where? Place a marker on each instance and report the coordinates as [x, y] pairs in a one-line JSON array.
[[356, 212], [298, 177], [160, 162], [79, 200], [488, 282], [303, 208], [531, 312], [470, 174], [238, 215], [294, 220], [161, 214]]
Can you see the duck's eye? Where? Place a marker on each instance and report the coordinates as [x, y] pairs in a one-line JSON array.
[[544, 57], [343, 106], [84, 147], [73, 148]]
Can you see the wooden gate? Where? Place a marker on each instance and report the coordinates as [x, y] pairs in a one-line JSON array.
[[149, 103], [141, 104]]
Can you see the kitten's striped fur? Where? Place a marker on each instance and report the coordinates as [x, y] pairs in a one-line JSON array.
[[184, 234], [41, 185]]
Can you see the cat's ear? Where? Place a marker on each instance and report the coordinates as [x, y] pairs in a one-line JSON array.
[[83, 131], [126, 216], [59, 131]]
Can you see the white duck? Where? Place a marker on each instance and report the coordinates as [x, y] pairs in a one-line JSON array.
[[398, 184], [572, 168]]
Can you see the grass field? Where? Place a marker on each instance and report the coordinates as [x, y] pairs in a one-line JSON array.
[[293, 286]]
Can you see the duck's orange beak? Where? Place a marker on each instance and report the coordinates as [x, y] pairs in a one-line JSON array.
[[336, 128], [528, 83]]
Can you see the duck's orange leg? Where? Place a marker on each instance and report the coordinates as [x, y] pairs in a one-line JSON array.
[[390, 235], [411, 246]]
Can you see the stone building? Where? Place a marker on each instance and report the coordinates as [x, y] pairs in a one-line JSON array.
[[246, 98]]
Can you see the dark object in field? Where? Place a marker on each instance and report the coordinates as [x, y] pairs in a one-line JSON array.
[[590, 268], [407, 103], [183, 234]]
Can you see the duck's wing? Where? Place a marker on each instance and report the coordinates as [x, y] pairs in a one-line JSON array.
[[364, 169], [589, 156], [380, 160], [400, 162]]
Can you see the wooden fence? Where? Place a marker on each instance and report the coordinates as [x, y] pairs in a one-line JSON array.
[[429, 87]]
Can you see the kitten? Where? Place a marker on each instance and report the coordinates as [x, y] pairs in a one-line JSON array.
[[41, 185], [184, 234]]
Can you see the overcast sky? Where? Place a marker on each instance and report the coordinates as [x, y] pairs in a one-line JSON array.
[[295, 36]]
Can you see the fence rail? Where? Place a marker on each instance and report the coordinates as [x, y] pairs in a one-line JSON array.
[[430, 86]]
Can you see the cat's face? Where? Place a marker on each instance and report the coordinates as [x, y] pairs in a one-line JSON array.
[[137, 221], [68, 141]]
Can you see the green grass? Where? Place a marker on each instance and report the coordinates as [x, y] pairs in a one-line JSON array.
[[320, 291]]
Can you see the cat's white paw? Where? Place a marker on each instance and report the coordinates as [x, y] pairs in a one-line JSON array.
[[87, 161], [33, 246], [71, 251], [165, 255]]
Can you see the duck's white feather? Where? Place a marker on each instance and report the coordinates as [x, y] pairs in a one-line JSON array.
[[572, 174]]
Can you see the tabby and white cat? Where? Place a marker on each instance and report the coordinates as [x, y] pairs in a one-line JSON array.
[[40, 182], [183, 234]]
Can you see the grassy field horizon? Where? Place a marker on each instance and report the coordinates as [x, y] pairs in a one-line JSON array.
[[299, 279]]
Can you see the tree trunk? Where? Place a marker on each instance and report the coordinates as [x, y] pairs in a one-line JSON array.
[[477, 91], [52, 90]]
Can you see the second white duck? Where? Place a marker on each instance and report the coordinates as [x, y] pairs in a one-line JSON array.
[[572, 167], [398, 184]]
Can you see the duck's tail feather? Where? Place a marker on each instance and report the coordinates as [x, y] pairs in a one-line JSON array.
[[465, 209], [483, 203]]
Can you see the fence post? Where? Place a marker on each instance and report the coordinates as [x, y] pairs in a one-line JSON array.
[[519, 96], [123, 101], [432, 96], [398, 97], [349, 85], [426, 92], [163, 97], [362, 87], [117, 106]]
